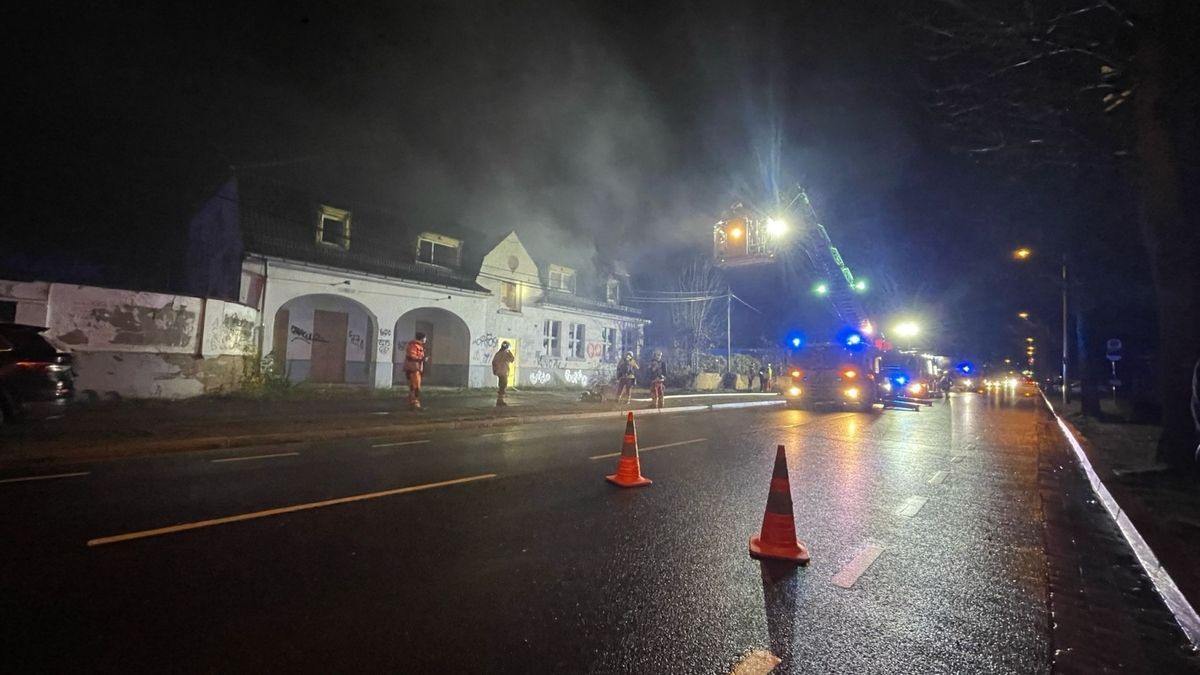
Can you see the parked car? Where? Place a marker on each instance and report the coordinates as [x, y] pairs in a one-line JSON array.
[[35, 378]]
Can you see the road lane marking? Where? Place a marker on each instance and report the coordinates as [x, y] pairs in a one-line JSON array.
[[652, 447], [757, 662], [183, 527], [855, 568], [382, 412], [243, 459], [910, 506], [938, 478], [52, 476], [399, 443]]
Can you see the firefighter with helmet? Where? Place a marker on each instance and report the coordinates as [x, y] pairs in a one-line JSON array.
[[626, 374], [656, 370]]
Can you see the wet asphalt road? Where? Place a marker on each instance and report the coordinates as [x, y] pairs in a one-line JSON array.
[[545, 567]]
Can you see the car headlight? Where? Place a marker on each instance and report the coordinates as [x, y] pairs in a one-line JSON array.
[[794, 391], [966, 382], [914, 388], [852, 392]]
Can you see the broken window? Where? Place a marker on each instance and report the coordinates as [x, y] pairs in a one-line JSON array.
[[440, 250], [562, 279], [510, 296], [609, 337], [333, 227], [551, 332], [575, 341], [613, 292]]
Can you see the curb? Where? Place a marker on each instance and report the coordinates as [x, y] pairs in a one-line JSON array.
[[141, 448], [1185, 615]]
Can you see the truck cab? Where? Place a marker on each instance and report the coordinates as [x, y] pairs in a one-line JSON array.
[[832, 375]]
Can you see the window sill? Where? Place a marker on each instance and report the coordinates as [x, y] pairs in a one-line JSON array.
[[510, 312]]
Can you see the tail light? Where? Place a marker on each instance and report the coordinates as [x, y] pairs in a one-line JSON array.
[[795, 373], [42, 365], [850, 374]]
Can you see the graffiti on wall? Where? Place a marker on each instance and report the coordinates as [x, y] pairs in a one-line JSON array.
[[357, 340], [484, 347], [302, 335], [539, 377]]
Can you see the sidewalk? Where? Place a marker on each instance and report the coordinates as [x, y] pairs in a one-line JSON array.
[[1163, 505], [108, 430]]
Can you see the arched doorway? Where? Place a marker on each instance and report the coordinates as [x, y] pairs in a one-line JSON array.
[[448, 346], [324, 338]]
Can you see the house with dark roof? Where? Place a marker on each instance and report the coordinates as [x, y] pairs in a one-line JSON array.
[[341, 285]]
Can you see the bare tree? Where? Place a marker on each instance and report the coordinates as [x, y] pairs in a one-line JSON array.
[[694, 314], [1074, 83]]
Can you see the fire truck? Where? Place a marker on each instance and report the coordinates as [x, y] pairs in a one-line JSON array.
[[834, 374]]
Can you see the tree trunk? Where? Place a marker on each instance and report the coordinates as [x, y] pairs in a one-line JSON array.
[[1171, 247]]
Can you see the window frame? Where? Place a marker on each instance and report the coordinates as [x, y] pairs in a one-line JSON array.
[[552, 337], [609, 335], [515, 294], [577, 341], [435, 240], [567, 279], [342, 216], [612, 291]]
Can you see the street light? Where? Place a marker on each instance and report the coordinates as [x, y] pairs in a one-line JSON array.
[[1023, 315], [1023, 254], [776, 227], [1029, 339]]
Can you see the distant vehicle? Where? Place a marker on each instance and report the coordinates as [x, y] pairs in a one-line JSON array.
[[832, 375], [35, 378], [908, 375]]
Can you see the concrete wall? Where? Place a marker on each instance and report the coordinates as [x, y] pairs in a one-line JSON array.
[[133, 344]]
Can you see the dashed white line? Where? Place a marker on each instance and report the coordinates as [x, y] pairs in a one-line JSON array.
[[279, 511], [855, 568], [399, 443], [52, 476], [243, 459], [652, 447], [938, 478], [911, 506]]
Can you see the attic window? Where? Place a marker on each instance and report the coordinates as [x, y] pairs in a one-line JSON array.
[[333, 227], [440, 250], [613, 292], [562, 279]]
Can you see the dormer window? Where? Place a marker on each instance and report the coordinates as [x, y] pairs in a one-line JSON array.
[[612, 292], [333, 227], [562, 279], [440, 250]]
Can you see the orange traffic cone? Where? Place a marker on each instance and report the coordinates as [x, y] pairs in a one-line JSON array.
[[778, 537], [629, 469]]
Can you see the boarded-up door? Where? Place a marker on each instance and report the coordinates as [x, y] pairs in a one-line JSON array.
[[328, 347]]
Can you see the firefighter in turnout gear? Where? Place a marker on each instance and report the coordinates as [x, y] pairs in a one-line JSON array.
[[502, 365], [656, 370], [626, 374], [414, 365]]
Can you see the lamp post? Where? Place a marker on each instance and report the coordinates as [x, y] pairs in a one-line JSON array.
[[1024, 254]]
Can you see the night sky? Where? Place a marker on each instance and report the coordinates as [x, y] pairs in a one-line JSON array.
[[616, 125]]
